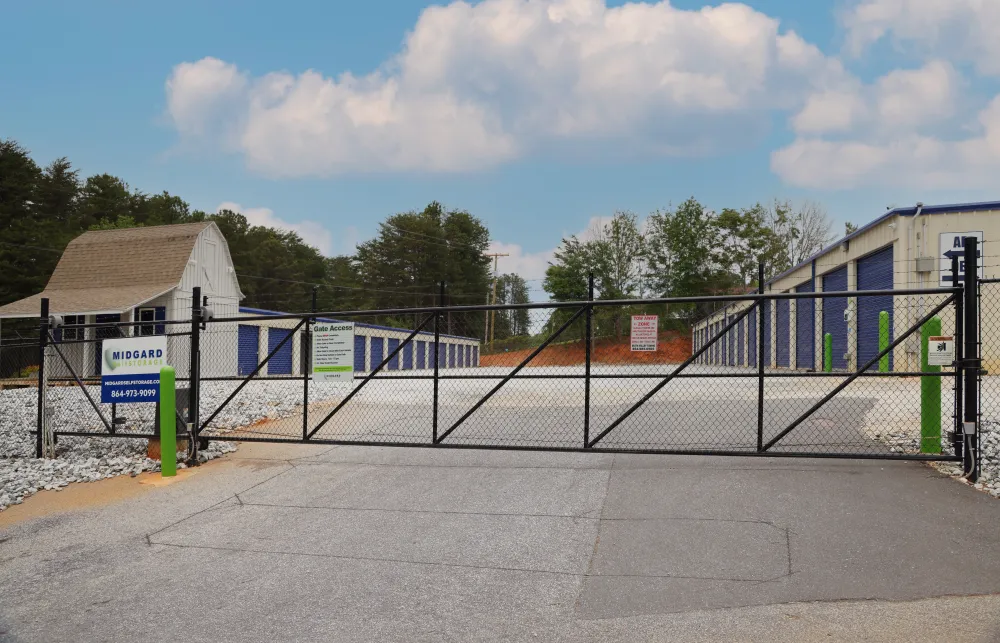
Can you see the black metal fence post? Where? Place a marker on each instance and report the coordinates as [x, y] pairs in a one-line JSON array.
[[306, 358], [586, 372], [194, 370], [437, 342], [970, 361], [43, 334], [956, 429], [760, 358]]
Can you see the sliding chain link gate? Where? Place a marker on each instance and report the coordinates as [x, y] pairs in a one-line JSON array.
[[565, 378]]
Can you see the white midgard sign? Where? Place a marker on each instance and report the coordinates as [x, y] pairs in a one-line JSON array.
[[644, 332], [333, 352]]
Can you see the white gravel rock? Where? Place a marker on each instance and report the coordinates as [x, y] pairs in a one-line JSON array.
[[88, 459]]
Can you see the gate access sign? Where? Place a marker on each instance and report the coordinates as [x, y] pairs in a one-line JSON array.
[[952, 245], [130, 369], [644, 332], [333, 352]]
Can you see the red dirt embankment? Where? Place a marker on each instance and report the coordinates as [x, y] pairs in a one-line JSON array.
[[671, 348]]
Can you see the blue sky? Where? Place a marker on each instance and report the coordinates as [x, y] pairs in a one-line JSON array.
[[535, 116]]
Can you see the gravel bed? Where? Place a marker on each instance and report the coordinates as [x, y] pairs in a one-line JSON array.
[[894, 421], [87, 459]]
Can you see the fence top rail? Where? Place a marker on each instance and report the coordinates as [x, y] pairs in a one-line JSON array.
[[126, 323], [748, 297]]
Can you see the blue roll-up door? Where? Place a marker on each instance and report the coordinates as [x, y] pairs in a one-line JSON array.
[[281, 363], [752, 338], [874, 273], [765, 329], [394, 362], [475, 356], [740, 341], [378, 348], [246, 349], [421, 354], [782, 328], [408, 357], [805, 328], [451, 356], [359, 353], [442, 356], [833, 314]]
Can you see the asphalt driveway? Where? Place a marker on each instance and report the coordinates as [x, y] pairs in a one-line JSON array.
[[357, 544]]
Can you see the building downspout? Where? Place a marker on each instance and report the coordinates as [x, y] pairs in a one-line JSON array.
[[920, 244]]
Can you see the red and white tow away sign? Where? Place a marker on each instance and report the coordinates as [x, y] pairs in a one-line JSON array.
[[644, 332]]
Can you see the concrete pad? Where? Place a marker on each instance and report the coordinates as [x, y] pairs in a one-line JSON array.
[[555, 492], [738, 551], [530, 543], [439, 457]]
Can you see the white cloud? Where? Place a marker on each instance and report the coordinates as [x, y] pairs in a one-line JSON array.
[[912, 160], [961, 30], [902, 100], [529, 265], [313, 233], [478, 85], [899, 130]]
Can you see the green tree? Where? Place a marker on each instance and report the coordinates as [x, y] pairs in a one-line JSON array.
[[122, 221], [415, 251], [511, 289], [616, 254], [27, 253]]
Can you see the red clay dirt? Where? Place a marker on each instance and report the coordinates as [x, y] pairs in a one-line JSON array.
[[671, 348]]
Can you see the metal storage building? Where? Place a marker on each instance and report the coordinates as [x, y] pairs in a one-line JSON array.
[[903, 248], [372, 342]]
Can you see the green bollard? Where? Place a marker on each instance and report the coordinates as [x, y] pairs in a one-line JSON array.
[[930, 392], [168, 423], [828, 353], [883, 341]]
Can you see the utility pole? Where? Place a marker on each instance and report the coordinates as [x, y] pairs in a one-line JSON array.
[[491, 319]]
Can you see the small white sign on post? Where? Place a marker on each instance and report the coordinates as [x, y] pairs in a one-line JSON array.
[[333, 352], [644, 329], [940, 351]]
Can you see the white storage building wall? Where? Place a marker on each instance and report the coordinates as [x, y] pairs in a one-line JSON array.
[[372, 344]]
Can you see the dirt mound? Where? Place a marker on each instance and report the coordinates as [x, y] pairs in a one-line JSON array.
[[671, 348]]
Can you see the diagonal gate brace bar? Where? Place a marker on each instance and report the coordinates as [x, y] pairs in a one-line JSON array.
[[855, 375], [79, 383], [274, 351], [371, 375], [514, 372], [645, 398]]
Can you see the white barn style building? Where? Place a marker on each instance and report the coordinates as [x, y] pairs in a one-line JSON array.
[[906, 248], [147, 275]]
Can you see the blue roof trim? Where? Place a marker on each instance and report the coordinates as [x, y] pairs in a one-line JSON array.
[[902, 212], [262, 311]]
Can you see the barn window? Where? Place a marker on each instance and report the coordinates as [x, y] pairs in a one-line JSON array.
[[148, 316], [71, 333]]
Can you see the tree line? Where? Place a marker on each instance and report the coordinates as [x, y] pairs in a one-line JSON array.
[[43, 208], [682, 251], [685, 251]]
